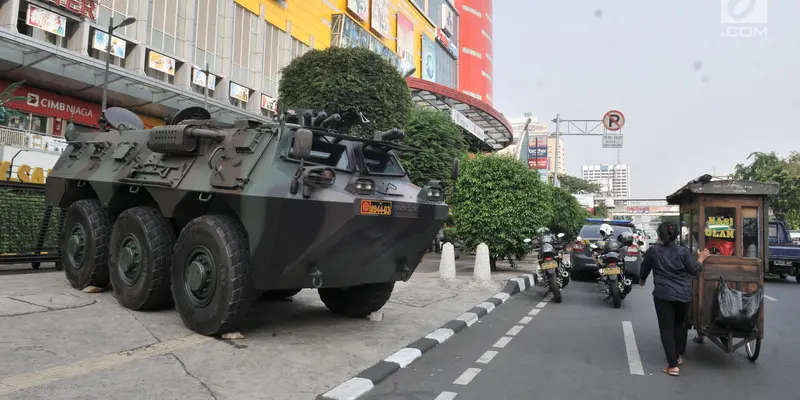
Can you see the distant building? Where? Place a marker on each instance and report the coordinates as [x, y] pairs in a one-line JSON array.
[[613, 179], [551, 153]]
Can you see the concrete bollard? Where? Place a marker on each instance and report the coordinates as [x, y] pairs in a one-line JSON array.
[[483, 268], [447, 264]]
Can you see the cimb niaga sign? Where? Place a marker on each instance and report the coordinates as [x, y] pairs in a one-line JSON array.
[[84, 8]]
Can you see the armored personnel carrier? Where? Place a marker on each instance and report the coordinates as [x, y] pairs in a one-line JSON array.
[[209, 216]]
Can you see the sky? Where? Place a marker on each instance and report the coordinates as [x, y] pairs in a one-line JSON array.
[[696, 98]]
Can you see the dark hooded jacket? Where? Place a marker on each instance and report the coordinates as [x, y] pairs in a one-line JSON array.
[[672, 265]]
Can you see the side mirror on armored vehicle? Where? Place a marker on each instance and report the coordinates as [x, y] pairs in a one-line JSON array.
[[195, 113], [120, 119], [560, 235], [301, 149], [454, 170]]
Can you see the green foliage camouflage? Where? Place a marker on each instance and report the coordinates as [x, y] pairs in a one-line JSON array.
[[440, 140], [769, 167], [568, 214], [348, 77], [22, 217], [500, 202]]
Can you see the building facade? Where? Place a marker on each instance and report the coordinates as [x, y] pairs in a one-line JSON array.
[[475, 62], [613, 179], [551, 154]]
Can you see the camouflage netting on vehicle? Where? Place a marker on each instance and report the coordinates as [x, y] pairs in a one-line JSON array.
[[28, 227]]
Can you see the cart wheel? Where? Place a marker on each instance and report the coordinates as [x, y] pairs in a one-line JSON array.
[[753, 349]]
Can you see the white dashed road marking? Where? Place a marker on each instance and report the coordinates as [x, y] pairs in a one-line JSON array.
[[770, 298], [534, 312], [502, 342], [541, 304], [634, 362], [467, 376], [486, 357], [514, 330], [525, 320], [446, 396]]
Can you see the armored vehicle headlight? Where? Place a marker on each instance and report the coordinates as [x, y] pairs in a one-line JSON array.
[[365, 185], [431, 193]]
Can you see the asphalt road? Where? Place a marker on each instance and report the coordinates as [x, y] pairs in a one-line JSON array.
[[580, 349]]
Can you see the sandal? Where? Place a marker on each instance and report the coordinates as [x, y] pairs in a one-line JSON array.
[[680, 361], [671, 371]]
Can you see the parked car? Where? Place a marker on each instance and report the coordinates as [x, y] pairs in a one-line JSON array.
[[784, 255], [583, 265]]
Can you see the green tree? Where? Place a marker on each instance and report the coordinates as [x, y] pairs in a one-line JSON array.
[[440, 140], [8, 96], [348, 77], [500, 202], [600, 210], [576, 185], [769, 167], [568, 214]]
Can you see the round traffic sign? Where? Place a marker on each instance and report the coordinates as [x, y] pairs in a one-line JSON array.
[[614, 120]]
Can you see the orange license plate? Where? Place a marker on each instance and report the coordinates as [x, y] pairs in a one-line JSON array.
[[376, 207]]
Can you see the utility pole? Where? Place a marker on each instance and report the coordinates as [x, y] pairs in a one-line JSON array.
[[111, 29], [556, 183]]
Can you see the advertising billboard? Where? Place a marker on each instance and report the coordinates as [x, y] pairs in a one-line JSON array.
[[239, 92], [160, 62], [46, 20], [405, 39], [380, 17], [428, 59], [100, 42], [359, 8], [537, 152]]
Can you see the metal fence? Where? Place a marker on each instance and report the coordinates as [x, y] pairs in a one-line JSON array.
[[30, 230]]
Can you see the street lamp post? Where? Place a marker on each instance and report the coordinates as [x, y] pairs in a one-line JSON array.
[[111, 29], [557, 121]]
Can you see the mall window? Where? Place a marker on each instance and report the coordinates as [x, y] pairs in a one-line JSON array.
[[421, 5], [119, 9], [275, 58], [208, 39], [446, 68], [245, 43], [43, 24], [165, 25]]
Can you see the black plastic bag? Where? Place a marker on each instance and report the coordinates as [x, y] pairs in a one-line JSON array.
[[737, 310]]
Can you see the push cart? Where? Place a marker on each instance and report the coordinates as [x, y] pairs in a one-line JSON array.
[[730, 219]]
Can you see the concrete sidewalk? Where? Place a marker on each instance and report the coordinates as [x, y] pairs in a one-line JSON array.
[[59, 343]]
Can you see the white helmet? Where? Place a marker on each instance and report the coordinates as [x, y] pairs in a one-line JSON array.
[[606, 231]]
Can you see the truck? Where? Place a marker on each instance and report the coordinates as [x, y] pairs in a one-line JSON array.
[[784, 255]]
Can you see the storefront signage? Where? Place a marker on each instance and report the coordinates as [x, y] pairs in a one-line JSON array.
[[719, 228], [53, 105], [199, 78], [359, 8], [448, 20], [405, 40], [83, 8], [467, 124], [447, 43], [380, 17], [268, 103], [428, 59], [24, 173], [160, 62], [351, 34], [46, 20], [100, 42], [239, 92]]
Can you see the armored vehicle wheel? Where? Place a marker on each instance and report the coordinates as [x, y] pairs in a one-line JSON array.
[[140, 259], [36, 265], [211, 275], [357, 301], [279, 294], [84, 248], [59, 266]]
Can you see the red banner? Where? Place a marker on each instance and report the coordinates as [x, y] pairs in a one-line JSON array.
[[537, 163], [54, 105]]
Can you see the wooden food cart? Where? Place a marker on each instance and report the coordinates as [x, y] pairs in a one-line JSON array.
[[730, 218]]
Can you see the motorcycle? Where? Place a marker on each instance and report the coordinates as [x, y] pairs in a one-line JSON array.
[[608, 255], [553, 269]]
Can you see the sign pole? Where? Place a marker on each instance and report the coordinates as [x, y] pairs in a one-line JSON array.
[[556, 183], [205, 88]]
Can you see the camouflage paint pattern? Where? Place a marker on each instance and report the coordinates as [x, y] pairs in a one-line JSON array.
[[247, 175]]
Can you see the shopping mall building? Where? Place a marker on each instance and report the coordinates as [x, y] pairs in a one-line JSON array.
[[59, 48]]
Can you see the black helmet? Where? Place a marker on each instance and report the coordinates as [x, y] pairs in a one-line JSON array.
[[626, 238], [612, 246]]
